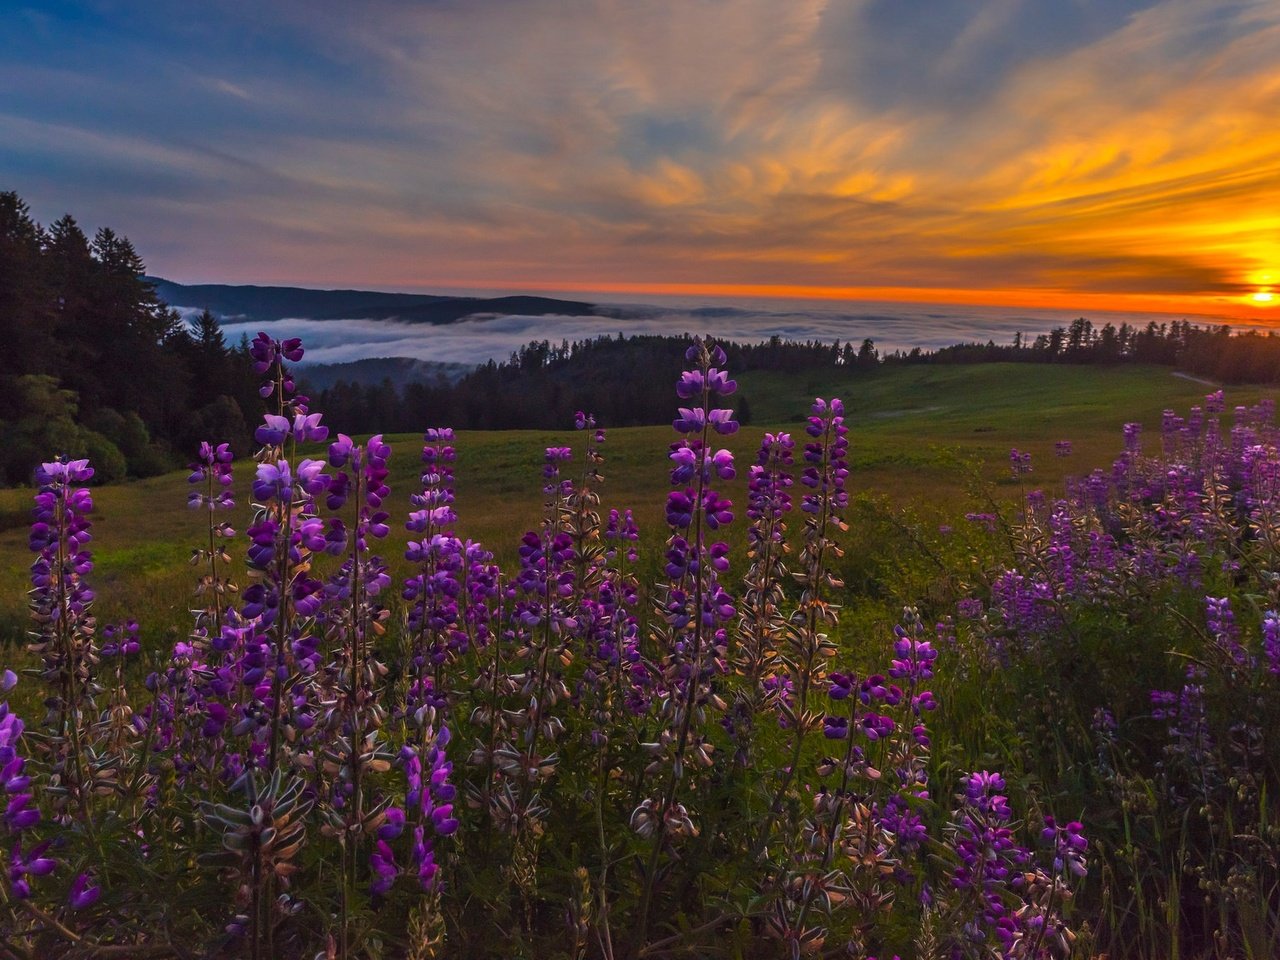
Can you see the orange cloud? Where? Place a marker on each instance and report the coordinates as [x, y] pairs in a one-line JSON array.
[[1086, 154]]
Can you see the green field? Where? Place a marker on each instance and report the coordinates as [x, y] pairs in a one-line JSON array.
[[928, 444], [920, 437]]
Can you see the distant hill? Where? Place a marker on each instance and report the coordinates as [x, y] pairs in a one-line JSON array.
[[374, 370], [264, 304]]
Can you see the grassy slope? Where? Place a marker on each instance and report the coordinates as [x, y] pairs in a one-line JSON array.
[[918, 433]]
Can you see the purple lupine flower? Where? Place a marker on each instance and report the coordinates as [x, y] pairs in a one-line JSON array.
[[435, 503], [61, 597], [691, 420], [308, 429], [121, 641], [1019, 463], [913, 658], [63, 472], [382, 862], [827, 469], [557, 455], [718, 382], [1271, 641], [1060, 552], [1221, 621], [680, 508], [32, 863], [84, 892], [274, 481], [982, 791], [841, 685], [1133, 436], [430, 798], [311, 478], [767, 499], [1069, 845], [988, 521], [274, 430], [904, 824], [685, 459], [722, 421], [20, 812], [690, 385], [695, 607], [876, 726], [1025, 604], [715, 381], [779, 692], [392, 825], [988, 854], [265, 351], [213, 468], [1188, 722], [341, 451], [377, 453], [718, 510], [268, 357]]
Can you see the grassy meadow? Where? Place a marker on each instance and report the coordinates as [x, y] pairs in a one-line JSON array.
[[931, 441], [1058, 626]]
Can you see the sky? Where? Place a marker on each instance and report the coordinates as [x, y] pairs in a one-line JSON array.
[[1070, 154]]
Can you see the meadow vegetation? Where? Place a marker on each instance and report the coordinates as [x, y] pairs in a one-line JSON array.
[[967, 665]]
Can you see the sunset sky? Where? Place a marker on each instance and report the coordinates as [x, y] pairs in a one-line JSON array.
[[1071, 153]]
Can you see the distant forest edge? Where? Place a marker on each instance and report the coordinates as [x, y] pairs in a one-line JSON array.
[[625, 381], [96, 363]]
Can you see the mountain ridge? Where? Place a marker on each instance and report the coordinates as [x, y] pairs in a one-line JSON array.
[[265, 304]]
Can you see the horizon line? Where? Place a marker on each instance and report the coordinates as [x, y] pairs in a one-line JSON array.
[[1046, 299]]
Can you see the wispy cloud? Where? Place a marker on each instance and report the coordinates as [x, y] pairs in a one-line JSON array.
[[229, 88], [1123, 150]]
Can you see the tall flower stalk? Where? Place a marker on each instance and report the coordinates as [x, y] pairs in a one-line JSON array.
[[352, 713], [60, 601], [766, 686], [693, 608], [211, 478], [806, 644], [286, 530]]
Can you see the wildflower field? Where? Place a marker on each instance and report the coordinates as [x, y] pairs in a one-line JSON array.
[[971, 664]]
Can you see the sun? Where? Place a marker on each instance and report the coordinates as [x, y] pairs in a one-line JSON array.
[[1264, 297]]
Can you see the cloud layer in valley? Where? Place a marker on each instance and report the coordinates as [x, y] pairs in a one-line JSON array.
[[893, 326]]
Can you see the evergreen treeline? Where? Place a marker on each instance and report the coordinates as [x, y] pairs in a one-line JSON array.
[[623, 381], [95, 365], [1210, 351]]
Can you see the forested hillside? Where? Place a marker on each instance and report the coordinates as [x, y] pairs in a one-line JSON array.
[[95, 365]]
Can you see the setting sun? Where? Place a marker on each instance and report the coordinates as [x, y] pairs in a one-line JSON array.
[[1264, 296]]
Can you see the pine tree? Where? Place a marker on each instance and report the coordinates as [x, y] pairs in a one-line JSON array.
[[25, 301]]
